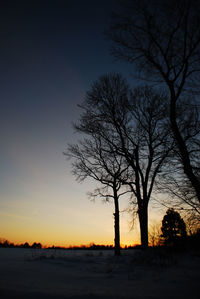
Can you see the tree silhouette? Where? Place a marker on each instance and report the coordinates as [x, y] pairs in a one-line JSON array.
[[173, 227], [134, 128], [174, 181], [162, 40], [94, 158]]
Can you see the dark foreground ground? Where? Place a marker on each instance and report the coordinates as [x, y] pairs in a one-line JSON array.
[[23, 295], [34, 295], [40, 274]]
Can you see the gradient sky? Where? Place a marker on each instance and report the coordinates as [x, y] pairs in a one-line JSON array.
[[51, 52]]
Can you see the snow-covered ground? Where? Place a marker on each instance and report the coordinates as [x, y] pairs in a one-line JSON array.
[[28, 273]]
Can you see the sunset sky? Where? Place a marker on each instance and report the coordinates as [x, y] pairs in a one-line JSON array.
[[51, 52]]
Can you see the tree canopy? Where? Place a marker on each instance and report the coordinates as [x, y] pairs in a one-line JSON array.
[[162, 41], [128, 137], [173, 227]]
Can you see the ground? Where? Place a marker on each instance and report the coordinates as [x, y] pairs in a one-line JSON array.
[[28, 273]]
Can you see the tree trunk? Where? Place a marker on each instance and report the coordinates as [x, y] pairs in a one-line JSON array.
[[187, 167], [116, 225], [143, 220]]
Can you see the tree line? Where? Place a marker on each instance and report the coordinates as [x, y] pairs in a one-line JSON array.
[[145, 141], [7, 244]]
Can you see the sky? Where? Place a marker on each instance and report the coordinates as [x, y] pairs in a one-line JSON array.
[[51, 52]]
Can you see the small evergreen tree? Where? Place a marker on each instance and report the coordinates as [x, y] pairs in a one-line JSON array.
[[173, 228]]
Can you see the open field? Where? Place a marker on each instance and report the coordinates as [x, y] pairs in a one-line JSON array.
[[97, 274]]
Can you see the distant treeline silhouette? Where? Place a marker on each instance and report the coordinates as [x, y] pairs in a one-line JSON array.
[[191, 241], [7, 244]]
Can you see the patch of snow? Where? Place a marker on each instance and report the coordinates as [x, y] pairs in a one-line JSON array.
[[97, 274]]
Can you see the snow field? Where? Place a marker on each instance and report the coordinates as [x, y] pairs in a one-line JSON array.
[[97, 274]]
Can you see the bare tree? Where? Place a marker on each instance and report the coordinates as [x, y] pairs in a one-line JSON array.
[[94, 158], [154, 234], [162, 40], [174, 181], [134, 124], [192, 223]]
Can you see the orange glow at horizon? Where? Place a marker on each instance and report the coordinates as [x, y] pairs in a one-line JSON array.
[[59, 213], [66, 239], [66, 227]]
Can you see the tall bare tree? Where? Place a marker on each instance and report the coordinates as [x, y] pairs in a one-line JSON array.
[[162, 40], [134, 125], [94, 158], [174, 181]]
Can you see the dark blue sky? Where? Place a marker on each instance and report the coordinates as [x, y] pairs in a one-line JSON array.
[[51, 52]]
